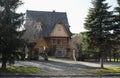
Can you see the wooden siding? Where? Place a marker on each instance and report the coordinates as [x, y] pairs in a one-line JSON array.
[[41, 43], [59, 31], [59, 42]]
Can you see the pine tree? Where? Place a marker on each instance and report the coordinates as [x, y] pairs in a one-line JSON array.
[[98, 23], [9, 36]]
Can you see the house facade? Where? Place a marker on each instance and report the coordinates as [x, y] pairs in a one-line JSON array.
[[48, 31]]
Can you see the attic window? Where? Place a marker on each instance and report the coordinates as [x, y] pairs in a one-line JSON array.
[[38, 26]]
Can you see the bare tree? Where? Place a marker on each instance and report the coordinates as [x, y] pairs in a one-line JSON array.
[[76, 42]]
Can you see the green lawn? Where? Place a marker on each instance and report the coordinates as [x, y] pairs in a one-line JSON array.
[[20, 70], [107, 70], [112, 60]]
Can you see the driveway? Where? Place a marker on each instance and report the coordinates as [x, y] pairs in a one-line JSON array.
[[56, 68], [62, 67]]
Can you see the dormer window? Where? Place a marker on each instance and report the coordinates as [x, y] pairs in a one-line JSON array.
[[39, 26]]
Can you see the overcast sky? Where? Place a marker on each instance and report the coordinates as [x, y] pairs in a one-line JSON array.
[[76, 9]]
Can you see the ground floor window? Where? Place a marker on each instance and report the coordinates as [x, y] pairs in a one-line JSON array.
[[59, 46]]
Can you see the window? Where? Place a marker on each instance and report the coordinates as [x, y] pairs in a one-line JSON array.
[[38, 26], [58, 41]]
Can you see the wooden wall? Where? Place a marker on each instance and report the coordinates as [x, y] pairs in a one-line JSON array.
[[59, 31]]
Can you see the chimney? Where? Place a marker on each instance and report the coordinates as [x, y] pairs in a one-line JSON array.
[[53, 11]]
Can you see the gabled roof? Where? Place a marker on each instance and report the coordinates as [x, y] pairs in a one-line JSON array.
[[49, 20]]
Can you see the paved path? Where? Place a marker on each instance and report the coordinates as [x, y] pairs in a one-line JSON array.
[[56, 68], [90, 64], [60, 67]]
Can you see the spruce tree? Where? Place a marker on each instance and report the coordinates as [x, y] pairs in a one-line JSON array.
[[9, 36], [116, 30], [97, 24], [116, 27]]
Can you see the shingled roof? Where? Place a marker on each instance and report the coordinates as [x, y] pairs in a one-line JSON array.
[[49, 20]]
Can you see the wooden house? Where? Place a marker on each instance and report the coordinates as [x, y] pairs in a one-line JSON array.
[[49, 31]]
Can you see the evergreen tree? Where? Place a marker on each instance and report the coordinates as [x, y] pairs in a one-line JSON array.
[[98, 23], [9, 36], [116, 27]]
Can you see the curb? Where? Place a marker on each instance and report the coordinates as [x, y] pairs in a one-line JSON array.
[[106, 75], [115, 74]]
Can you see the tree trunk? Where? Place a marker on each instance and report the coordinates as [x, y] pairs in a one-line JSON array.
[[117, 57], [110, 57], [114, 58], [4, 61], [101, 61]]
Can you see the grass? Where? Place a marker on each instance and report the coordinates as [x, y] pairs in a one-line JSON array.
[[112, 60], [107, 70], [20, 70]]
